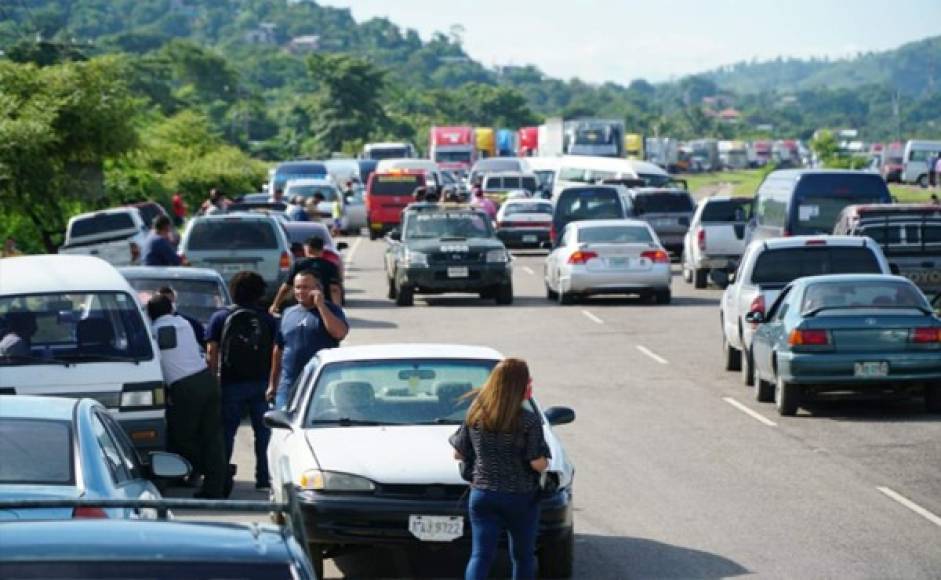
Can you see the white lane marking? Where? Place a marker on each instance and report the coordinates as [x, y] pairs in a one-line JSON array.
[[652, 355], [749, 412], [911, 505], [352, 253], [592, 317], [529, 270]]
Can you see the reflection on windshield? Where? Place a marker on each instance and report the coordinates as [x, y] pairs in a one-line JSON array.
[[447, 225], [862, 295], [197, 298]]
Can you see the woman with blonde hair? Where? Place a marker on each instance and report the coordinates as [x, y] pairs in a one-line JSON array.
[[505, 450]]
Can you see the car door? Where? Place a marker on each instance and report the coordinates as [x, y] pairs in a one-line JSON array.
[[768, 334], [139, 485], [117, 481]]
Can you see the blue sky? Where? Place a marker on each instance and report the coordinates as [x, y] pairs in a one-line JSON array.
[[612, 40]]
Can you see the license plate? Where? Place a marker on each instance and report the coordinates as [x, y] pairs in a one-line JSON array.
[[458, 272], [436, 528], [618, 262], [665, 222], [871, 369], [529, 239], [234, 268]]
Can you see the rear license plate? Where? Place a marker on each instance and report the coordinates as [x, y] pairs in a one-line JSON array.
[[529, 239], [871, 369], [619, 262], [458, 272], [234, 268], [664, 222], [436, 528]]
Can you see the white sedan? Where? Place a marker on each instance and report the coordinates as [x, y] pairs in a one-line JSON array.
[[608, 257], [364, 440]]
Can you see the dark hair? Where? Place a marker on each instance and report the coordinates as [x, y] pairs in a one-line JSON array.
[[161, 222], [247, 287], [315, 243], [166, 291], [310, 273], [159, 305]]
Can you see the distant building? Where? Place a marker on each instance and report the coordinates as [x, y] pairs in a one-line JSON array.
[[730, 115], [264, 34], [307, 43]]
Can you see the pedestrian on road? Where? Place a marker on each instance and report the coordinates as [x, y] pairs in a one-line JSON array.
[[505, 450], [241, 339], [178, 207], [313, 324], [296, 211], [318, 262], [313, 207], [216, 203], [158, 249], [194, 420], [198, 330], [484, 203]]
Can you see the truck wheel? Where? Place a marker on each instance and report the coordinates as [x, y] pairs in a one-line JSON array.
[[556, 557], [702, 277], [733, 356], [392, 291], [405, 296], [933, 398], [662, 296], [786, 397], [504, 295], [373, 234], [747, 367]]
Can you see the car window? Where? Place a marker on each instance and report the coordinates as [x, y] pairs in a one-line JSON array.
[[855, 294], [784, 265], [580, 204], [615, 235], [447, 225], [36, 451], [662, 203], [726, 211], [101, 223], [232, 234], [779, 308], [520, 208], [110, 451], [197, 298], [128, 453]]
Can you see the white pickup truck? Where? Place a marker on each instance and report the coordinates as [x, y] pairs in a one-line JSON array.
[[716, 237], [115, 235]]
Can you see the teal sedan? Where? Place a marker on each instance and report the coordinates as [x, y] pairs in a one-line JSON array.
[[847, 333]]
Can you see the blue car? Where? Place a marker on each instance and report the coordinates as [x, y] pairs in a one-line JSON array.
[[847, 332], [59, 448]]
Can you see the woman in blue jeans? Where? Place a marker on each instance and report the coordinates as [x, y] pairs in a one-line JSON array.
[[503, 442]]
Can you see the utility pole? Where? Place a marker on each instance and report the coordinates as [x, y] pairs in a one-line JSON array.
[[895, 112]]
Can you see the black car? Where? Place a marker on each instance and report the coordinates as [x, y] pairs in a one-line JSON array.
[[447, 248]]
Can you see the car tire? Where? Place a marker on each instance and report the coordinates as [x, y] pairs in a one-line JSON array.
[[687, 273], [662, 296], [504, 295], [557, 557], [373, 235], [565, 298], [315, 554], [747, 367], [764, 391], [923, 181], [405, 296], [393, 292], [733, 356], [551, 294], [701, 277], [786, 397], [933, 398]]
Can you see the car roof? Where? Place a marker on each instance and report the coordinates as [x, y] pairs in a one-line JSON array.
[[407, 351], [238, 215], [800, 241], [587, 224], [110, 210], [140, 540], [800, 172], [309, 181], [299, 163], [31, 407], [58, 273], [656, 190], [168, 273], [823, 278]]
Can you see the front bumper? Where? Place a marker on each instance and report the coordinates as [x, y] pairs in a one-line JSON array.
[[580, 280], [365, 519], [835, 371], [523, 237], [435, 279]]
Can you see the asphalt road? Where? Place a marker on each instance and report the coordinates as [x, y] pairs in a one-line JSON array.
[[680, 473]]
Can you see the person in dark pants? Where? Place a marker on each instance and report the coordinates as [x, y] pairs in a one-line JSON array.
[[317, 262], [194, 421], [506, 450], [239, 344], [158, 250]]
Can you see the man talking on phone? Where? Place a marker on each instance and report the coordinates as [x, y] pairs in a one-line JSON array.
[[306, 328]]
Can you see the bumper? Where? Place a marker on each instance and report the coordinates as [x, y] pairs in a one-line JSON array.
[[583, 281], [436, 279], [382, 228], [826, 371], [716, 262], [523, 237], [345, 520]]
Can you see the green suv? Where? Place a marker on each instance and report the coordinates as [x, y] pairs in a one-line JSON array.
[[447, 248]]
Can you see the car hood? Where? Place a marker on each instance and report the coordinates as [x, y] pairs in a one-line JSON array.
[[455, 244]]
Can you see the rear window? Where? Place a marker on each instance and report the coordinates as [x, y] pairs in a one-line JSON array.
[[862, 295], [395, 184], [615, 235], [726, 211], [588, 203], [35, 451], [234, 234], [819, 199], [197, 298], [518, 208], [782, 266], [101, 223], [663, 203]]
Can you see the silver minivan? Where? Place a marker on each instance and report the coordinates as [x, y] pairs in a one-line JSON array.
[[230, 243]]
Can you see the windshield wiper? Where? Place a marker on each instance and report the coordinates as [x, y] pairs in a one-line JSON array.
[[88, 356], [4, 358], [347, 422]]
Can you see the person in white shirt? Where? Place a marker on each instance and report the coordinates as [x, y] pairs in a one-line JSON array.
[[194, 402]]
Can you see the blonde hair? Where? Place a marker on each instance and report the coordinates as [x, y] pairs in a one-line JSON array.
[[498, 403]]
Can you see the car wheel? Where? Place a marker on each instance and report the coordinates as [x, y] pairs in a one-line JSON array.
[[923, 180], [786, 397], [702, 277], [550, 293], [747, 367], [565, 298], [373, 235], [315, 553], [933, 398], [504, 295], [733, 356], [687, 273], [764, 391], [662, 296], [556, 557], [405, 296], [392, 291]]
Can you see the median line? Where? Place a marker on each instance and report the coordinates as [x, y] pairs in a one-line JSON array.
[[352, 253], [753, 414], [652, 354], [933, 518], [592, 317]]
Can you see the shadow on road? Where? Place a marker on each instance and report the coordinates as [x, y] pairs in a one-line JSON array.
[[371, 324], [600, 557], [369, 303], [871, 410]]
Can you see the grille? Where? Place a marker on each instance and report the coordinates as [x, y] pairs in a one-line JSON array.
[[426, 492], [456, 258]]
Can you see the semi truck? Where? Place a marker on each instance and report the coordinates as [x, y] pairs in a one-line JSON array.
[[595, 137], [506, 143], [528, 139], [453, 148], [733, 155], [379, 151], [634, 146]]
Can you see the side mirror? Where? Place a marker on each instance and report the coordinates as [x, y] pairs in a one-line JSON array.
[[278, 419], [559, 415], [721, 278], [894, 268], [395, 236], [342, 246], [755, 317], [168, 465], [166, 338]]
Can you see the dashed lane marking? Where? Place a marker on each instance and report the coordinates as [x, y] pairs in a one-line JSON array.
[[933, 518], [652, 354], [753, 414], [592, 317], [352, 253]]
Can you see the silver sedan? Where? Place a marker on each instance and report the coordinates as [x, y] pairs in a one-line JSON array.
[[608, 257]]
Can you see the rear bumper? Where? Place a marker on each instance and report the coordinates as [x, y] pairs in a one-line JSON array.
[[716, 262], [584, 281], [824, 370], [523, 237], [435, 279]]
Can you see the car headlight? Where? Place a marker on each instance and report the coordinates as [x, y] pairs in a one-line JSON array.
[[498, 257], [413, 259], [318, 480], [137, 399]]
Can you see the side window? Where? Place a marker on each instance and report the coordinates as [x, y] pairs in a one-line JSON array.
[[128, 453], [109, 450], [779, 308], [298, 389]]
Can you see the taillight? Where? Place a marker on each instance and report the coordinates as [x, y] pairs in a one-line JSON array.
[[701, 239], [552, 234], [808, 338], [926, 335], [582, 256], [88, 512], [656, 256], [815, 243], [285, 262], [135, 252]]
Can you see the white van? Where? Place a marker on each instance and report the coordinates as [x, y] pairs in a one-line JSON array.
[[581, 170], [431, 169], [915, 160], [72, 326]]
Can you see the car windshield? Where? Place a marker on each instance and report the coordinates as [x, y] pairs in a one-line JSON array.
[[519, 208], [232, 234], [447, 225], [88, 568], [308, 170], [69, 327], [782, 266], [379, 153], [615, 235], [452, 156], [875, 294], [395, 184], [396, 392], [735, 210], [101, 223], [328, 192], [663, 203], [196, 298], [589, 203], [35, 452]]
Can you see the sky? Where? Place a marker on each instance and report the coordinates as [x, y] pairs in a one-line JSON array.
[[621, 40]]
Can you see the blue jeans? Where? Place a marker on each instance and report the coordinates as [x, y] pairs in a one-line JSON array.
[[235, 397], [491, 512], [281, 397]]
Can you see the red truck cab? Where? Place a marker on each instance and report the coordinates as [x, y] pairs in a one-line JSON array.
[[453, 148], [387, 194], [528, 139]]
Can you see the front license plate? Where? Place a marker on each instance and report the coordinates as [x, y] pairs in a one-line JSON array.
[[529, 239], [436, 528], [871, 369], [458, 272]]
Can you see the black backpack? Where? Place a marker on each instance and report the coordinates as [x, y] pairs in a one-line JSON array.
[[245, 347]]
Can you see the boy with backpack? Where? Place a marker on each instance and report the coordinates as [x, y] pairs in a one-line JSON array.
[[239, 344]]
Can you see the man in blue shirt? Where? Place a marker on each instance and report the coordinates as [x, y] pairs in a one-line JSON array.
[[158, 251], [311, 325]]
